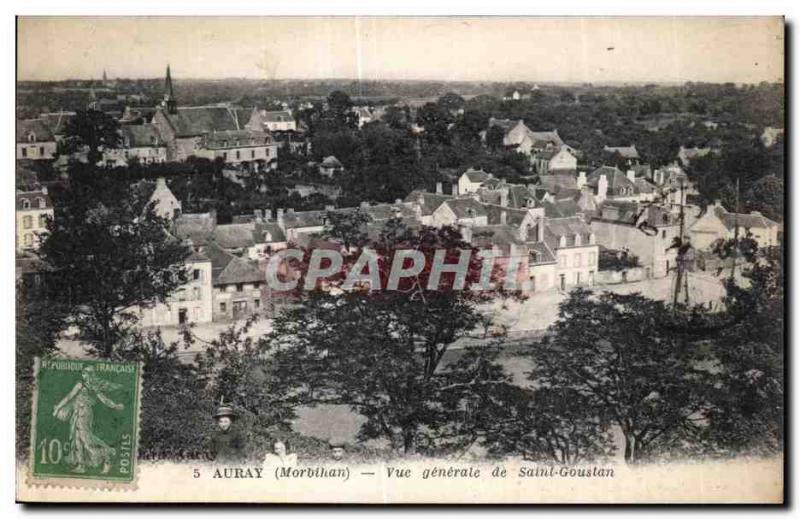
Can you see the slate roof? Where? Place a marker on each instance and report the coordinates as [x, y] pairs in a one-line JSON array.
[[545, 255], [192, 121], [236, 139], [564, 184], [477, 175], [744, 221], [615, 177], [560, 208], [555, 228], [498, 235], [513, 216], [276, 116], [33, 198], [227, 269], [619, 212], [234, 235], [429, 202], [140, 136], [35, 127], [276, 233], [466, 207]]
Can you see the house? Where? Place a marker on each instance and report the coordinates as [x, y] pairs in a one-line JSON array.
[[238, 284], [647, 231], [33, 208], [460, 211], [528, 142], [191, 303], [609, 182], [628, 153], [364, 115], [573, 243], [769, 137], [330, 166], [247, 149], [35, 141], [166, 204], [472, 180], [719, 224], [272, 121], [554, 160], [139, 142], [427, 203]]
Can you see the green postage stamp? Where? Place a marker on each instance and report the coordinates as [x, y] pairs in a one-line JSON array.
[[85, 423]]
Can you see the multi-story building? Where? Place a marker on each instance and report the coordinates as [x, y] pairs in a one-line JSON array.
[[33, 210], [718, 224], [138, 142], [575, 249], [35, 141], [191, 303]]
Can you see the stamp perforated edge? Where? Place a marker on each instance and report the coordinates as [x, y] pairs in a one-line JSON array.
[[80, 483]]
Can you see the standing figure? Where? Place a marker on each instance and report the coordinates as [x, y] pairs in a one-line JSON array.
[[337, 449], [85, 450], [228, 444]]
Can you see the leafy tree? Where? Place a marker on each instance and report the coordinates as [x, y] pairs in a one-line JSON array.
[[91, 130], [436, 121], [176, 407], [383, 352], [241, 370], [106, 253], [451, 102], [548, 425], [634, 371]]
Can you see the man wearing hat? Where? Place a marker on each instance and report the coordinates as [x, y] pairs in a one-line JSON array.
[[337, 449], [228, 444]]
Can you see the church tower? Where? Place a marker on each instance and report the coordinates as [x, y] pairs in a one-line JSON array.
[[169, 95]]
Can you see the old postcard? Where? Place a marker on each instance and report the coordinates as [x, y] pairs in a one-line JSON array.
[[400, 260]]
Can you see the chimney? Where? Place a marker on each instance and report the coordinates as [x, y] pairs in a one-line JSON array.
[[503, 217], [267, 215], [364, 205], [279, 215], [258, 215], [466, 233], [439, 188], [329, 208], [454, 189], [581, 179], [503, 197], [602, 188], [398, 201], [540, 229], [631, 175], [161, 182], [44, 190]]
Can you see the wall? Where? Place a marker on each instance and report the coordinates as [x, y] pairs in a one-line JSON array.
[[248, 301], [36, 150], [195, 298], [36, 226]]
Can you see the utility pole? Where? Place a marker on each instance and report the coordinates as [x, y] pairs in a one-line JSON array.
[[679, 274], [735, 233]]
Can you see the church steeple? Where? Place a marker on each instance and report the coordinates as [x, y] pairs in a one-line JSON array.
[[169, 95]]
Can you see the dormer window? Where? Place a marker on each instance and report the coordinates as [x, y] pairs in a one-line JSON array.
[[31, 137], [26, 204], [41, 203], [591, 239], [562, 242], [224, 144], [577, 240]]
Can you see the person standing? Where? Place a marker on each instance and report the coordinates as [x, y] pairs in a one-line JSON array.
[[228, 444]]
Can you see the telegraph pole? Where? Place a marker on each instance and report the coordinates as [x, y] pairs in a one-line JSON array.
[[679, 274], [735, 233]]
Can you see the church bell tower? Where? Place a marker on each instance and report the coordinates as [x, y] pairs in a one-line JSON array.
[[169, 95]]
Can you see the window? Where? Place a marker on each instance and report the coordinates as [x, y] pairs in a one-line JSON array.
[[41, 151], [26, 204], [42, 220], [197, 275], [239, 287], [223, 307], [24, 151], [238, 155], [592, 259], [196, 293], [225, 155], [664, 233], [257, 303], [562, 260], [28, 240], [577, 278], [41, 203], [31, 137], [252, 154], [578, 259], [562, 242], [27, 222]]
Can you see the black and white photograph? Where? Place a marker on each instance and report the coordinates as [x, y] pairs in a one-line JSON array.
[[400, 259]]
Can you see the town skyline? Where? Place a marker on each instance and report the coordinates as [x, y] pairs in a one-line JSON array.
[[631, 50]]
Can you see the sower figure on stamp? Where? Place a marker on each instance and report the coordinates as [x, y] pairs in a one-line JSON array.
[[228, 444], [86, 449]]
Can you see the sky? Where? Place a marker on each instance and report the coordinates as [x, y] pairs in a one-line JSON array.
[[592, 49]]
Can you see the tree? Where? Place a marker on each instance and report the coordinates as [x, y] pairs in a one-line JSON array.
[[451, 102], [384, 352], [436, 121], [93, 131], [241, 370], [106, 253], [634, 371]]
